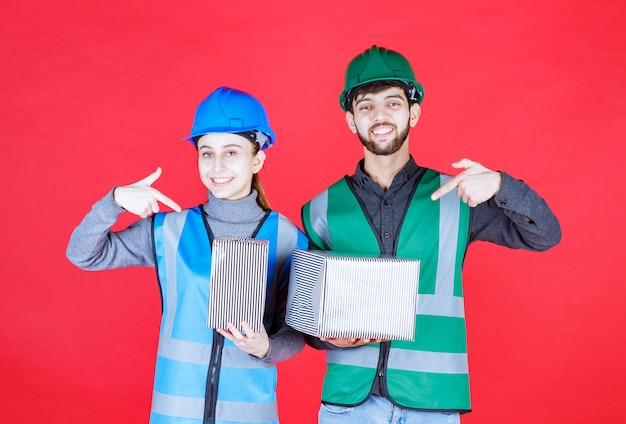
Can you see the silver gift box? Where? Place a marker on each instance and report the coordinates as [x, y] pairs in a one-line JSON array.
[[238, 282], [339, 295]]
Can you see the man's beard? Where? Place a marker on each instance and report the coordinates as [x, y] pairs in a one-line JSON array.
[[389, 147]]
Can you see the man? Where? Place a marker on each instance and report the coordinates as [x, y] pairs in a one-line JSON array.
[[395, 207]]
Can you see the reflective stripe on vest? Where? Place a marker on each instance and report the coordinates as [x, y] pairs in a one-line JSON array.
[[168, 408], [247, 387], [430, 372]]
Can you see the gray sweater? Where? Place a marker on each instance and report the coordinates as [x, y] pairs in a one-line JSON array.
[[93, 246]]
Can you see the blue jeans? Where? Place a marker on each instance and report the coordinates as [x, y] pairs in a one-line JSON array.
[[378, 410]]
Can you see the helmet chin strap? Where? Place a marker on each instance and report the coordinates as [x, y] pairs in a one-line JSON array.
[[411, 92], [256, 137]]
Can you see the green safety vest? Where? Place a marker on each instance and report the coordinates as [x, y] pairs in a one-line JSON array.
[[430, 372]]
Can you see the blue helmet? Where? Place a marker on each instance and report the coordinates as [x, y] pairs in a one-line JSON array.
[[227, 110]]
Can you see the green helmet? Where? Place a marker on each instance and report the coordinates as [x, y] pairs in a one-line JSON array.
[[378, 64]]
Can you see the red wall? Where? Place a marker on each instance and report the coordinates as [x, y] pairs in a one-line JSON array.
[[100, 93]]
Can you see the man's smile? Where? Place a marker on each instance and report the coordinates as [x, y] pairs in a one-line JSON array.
[[382, 129]]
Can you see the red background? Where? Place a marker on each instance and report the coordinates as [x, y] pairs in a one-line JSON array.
[[100, 93]]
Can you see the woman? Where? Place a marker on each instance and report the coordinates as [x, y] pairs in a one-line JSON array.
[[204, 375]]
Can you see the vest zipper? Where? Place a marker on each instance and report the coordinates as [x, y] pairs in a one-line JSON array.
[[213, 378], [381, 369]]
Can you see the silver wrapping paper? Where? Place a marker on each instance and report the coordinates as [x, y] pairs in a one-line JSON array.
[[238, 282], [338, 295]]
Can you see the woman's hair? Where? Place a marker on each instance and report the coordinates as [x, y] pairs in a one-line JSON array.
[[261, 197]]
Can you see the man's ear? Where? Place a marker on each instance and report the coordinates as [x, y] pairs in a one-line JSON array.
[[414, 114], [350, 122], [258, 161]]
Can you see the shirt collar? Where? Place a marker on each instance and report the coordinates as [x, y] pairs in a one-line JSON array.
[[406, 173]]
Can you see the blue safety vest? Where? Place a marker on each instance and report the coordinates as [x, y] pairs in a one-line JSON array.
[[201, 377]]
